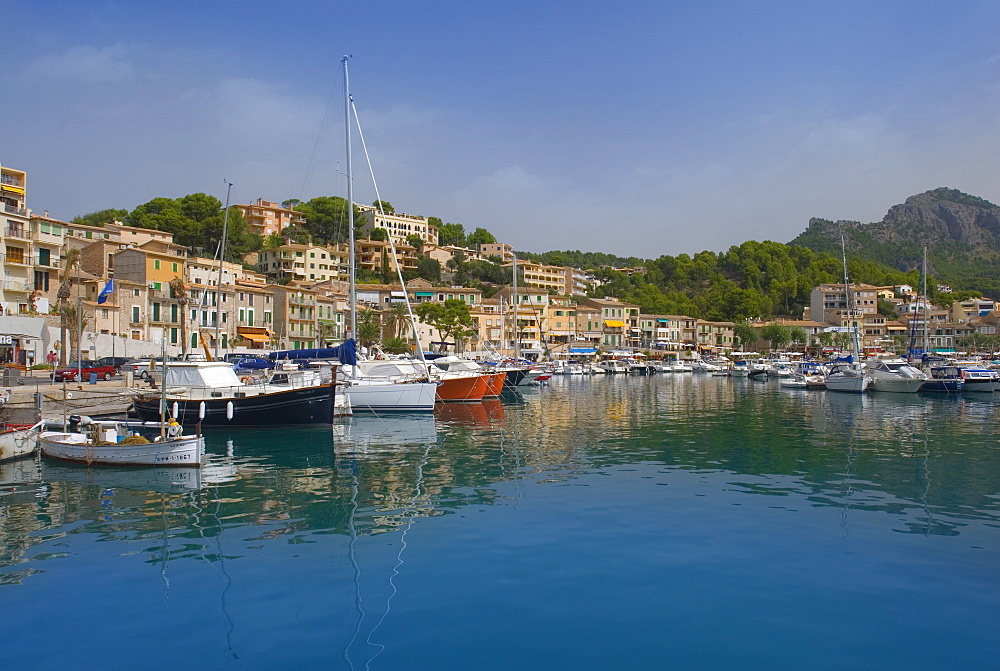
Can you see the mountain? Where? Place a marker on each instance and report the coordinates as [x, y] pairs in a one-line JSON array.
[[961, 233]]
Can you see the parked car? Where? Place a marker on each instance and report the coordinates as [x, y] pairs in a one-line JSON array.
[[233, 357], [116, 361], [83, 368], [140, 367], [248, 364]]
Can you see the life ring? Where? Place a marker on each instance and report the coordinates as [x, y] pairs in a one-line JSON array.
[[246, 379]]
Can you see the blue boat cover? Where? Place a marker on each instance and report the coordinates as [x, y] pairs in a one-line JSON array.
[[347, 353]]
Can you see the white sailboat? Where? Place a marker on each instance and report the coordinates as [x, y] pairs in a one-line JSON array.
[[849, 376], [368, 390]]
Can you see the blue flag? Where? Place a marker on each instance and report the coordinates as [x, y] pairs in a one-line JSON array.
[[108, 289]]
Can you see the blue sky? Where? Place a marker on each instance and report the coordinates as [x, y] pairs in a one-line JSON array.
[[635, 128]]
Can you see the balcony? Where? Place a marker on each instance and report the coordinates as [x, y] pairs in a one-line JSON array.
[[53, 262], [10, 284], [23, 232], [10, 209]]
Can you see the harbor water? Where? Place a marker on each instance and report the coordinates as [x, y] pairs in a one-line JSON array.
[[669, 521]]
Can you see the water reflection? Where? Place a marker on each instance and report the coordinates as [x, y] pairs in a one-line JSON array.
[[930, 463]]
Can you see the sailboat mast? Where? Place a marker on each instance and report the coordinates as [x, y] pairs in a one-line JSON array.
[[350, 201], [517, 331], [850, 300], [222, 256], [925, 301]]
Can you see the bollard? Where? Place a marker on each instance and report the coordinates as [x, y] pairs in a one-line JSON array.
[[93, 378]]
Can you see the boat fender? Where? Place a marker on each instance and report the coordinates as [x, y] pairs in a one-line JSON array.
[[201, 410], [246, 379], [229, 410]]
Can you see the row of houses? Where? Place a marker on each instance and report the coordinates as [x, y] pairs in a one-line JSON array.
[[295, 296]]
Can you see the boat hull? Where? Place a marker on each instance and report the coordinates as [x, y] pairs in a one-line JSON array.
[[17, 443], [848, 384], [389, 397], [465, 388], [943, 386], [897, 385], [494, 384], [184, 451], [303, 405], [513, 376]]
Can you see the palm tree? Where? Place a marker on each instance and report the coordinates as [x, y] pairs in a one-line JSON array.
[[179, 291], [70, 261], [75, 323], [397, 320], [369, 328]]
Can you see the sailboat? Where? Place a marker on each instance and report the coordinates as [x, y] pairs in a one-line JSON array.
[[848, 375], [388, 385]]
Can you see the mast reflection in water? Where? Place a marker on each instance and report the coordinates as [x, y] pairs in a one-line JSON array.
[[681, 520]]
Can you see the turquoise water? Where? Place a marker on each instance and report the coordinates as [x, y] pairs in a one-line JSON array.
[[674, 521]]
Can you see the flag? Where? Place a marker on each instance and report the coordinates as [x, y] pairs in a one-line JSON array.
[[108, 289]]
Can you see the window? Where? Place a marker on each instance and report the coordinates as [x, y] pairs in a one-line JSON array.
[[156, 264], [135, 292], [43, 256], [41, 280], [135, 314], [174, 267], [156, 312]]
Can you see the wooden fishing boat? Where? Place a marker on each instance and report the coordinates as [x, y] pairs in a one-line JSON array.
[[88, 441]]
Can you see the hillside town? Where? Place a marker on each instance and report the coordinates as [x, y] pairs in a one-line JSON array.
[[137, 291]]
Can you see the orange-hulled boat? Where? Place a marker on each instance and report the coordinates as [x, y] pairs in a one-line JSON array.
[[461, 387], [494, 384]]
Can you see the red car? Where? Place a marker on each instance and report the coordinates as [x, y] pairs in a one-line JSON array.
[[84, 368]]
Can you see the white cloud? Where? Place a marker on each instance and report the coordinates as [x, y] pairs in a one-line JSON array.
[[86, 65]]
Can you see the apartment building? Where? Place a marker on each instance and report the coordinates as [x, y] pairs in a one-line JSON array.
[[398, 225], [540, 276], [377, 256], [828, 302], [715, 336], [267, 218], [500, 249], [576, 282], [295, 317], [559, 323], [972, 308], [619, 321], [18, 277]]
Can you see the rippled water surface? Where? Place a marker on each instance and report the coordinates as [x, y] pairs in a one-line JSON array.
[[674, 521]]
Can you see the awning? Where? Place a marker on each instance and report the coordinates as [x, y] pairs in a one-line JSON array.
[[256, 334], [423, 293], [614, 323]]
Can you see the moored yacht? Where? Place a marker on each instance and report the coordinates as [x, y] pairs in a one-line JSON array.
[[894, 375], [945, 380], [978, 378]]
